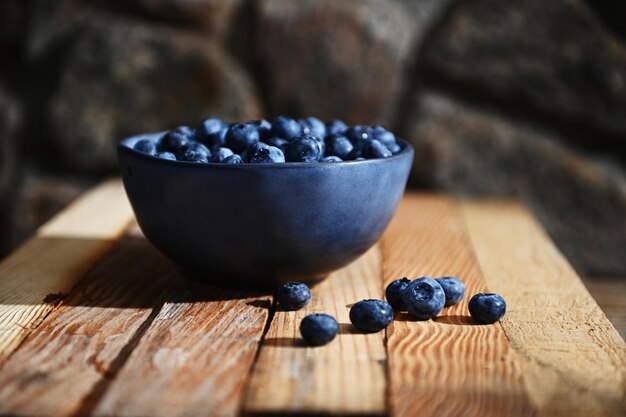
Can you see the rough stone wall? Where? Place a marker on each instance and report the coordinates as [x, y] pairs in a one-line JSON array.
[[522, 99]]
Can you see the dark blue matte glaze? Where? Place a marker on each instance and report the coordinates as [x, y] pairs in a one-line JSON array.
[[371, 316], [262, 223]]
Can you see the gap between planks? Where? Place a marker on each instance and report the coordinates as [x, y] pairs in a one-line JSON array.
[[78, 340], [46, 267], [575, 360], [135, 338], [448, 366], [345, 377]]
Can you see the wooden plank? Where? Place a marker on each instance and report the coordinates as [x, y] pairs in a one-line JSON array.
[[575, 360], [34, 277], [610, 294], [64, 365], [195, 357], [345, 377], [449, 366]]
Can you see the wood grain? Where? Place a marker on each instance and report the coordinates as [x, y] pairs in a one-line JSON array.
[[63, 366], [610, 294], [449, 366], [195, 357], [575, 360], [345, 377], [46, 267]]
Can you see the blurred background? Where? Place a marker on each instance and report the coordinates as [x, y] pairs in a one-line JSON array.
[[522, 99]]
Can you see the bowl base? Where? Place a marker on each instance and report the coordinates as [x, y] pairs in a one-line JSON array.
[[248, 283]]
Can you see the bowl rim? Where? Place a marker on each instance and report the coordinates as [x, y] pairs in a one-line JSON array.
[[123, 146]]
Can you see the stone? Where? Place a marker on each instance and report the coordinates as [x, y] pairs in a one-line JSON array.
[[10, 116], [333, 59], [425, 15], [579, 198], [554, 58], [13, 18], [123, 76], [42, 194], [214, 16]]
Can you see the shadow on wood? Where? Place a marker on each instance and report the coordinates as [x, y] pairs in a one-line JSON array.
[[131, 259]]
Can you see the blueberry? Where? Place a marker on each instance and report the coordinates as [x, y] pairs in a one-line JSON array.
[[173, 140], [304, 148], [146, 146], [318, 329], [217, 139], [453, 288], [293, 295], [370, 316], [331, 159], [286, 128], [335, 127], [193, 152], [487, 308], [207, 129], [233, 159], [424, 298], [375, 149], [166, 155], [338, 146], [280, 143], [220, 154], [358, 133], [261, 153], [357, 150], [313, 126], [320, 141], [394, 293], [383, 135], [264, 127], [394, 148], [240, 136]]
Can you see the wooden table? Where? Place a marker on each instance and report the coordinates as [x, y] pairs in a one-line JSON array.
[[93, 321]]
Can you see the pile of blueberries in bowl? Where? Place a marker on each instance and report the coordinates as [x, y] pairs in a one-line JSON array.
[[259, 203], [261, 142]]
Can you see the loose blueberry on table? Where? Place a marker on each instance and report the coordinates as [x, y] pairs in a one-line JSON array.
[[487, 308], [293, 295], [259, 141], [394, 292], [370, 316], [424, 298], [318, 329], [453, 288]]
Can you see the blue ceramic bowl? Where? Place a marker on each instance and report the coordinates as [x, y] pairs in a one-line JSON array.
[[260, 224]]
